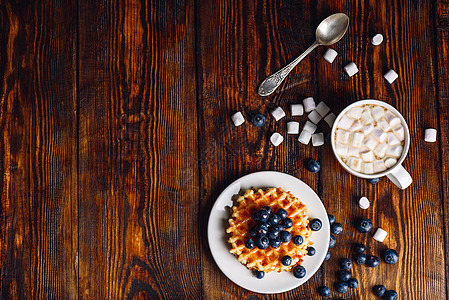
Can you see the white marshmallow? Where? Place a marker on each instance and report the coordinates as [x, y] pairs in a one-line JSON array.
[[379, 134], [379, 166], [368, 168], [342, 136], [318, 139], [370, 142], [356, 126], [330, 119], [341, 149], [366, 117], [278, 113], [394, 151], [357, 139], [364, 203], [391, 76], [353, 152], [380, 150], [378, 113], [383, 124], [392, 139], [330, 55], [377, 39], [238, 119], [392, 119], [309, 104], [292, 127], [322, 109], [305, 137], [367, 156], [310, 127], [351, 69], [389, 162], [314, 117], [399, 132], [380, 235], [367, 129], [297, 109], [355, 112], [276, 139], [430, 135], [345, 122], [355, 163]]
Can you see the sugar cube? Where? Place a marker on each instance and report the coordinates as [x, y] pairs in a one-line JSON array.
[[380, 235], [391, 76], [297, 109], [278, 113], [238, 119], [330, 55], [276, 139]]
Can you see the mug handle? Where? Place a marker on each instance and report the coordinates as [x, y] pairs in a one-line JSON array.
[[400, 177]]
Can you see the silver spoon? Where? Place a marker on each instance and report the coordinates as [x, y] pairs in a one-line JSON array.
[[330, 31]]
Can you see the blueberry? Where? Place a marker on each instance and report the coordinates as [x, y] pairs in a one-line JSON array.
[[250, 244], [299, 272], [372, 261], [390, 295], [324, 291], [278, 227], [298, 240], [344, 275], [272, 233], [287, 260], [353, 283], [285, 236], [259, 274], [311, 251], [287, 223], [379, 290], [261, 229], [332, 241], [258, 120], [346, 264], [341, 287], [315, 224], [262, 242], [313, 166], [364, 225], [360, 258], [275, 242], [336, 228], [390, 256], [252, 231], [373, 180], [328, 256], [268, 209], [273, 219], [359, 248], [262, 215], [255, 216], [331, 219], [282, 213]]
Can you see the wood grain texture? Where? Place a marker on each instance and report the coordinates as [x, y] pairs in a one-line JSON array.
[[38, 237]]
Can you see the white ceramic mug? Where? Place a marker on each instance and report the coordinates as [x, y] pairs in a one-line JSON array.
[[397, 174]]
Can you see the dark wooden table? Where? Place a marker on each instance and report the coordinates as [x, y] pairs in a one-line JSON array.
[[116, 140]]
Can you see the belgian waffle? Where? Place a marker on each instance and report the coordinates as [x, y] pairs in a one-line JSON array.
[[268, 259]]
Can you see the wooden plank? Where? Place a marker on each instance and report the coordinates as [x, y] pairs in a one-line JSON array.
[[38, 214], [138, 213]]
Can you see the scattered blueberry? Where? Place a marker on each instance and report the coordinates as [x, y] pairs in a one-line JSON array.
[[364, 225], [341, 287], [359, 248], [255, 216], [313, 166], [262, 242], [299, 272], [390, 256], [298, 240], [282, 213], [273, 220], [360, 258], [332, 241], [328, 256], [311, 251], [252, 231], [390, 295], [373, 180], [273, 233], [261, 229], [344, 275], [372, 261], [287, 260], [259, 274], [379, 290], [353, 283], [315, 224], [262, 215], [336, 228], [250, 244], [275, 242], [285, 236], [287, 223], [324, 291], [346, 264], [258, 120], [268, 209]]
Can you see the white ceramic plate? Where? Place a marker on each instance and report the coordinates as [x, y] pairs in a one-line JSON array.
[[273, 282]]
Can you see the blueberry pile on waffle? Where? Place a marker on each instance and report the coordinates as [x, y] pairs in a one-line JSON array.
[[269, 230]]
